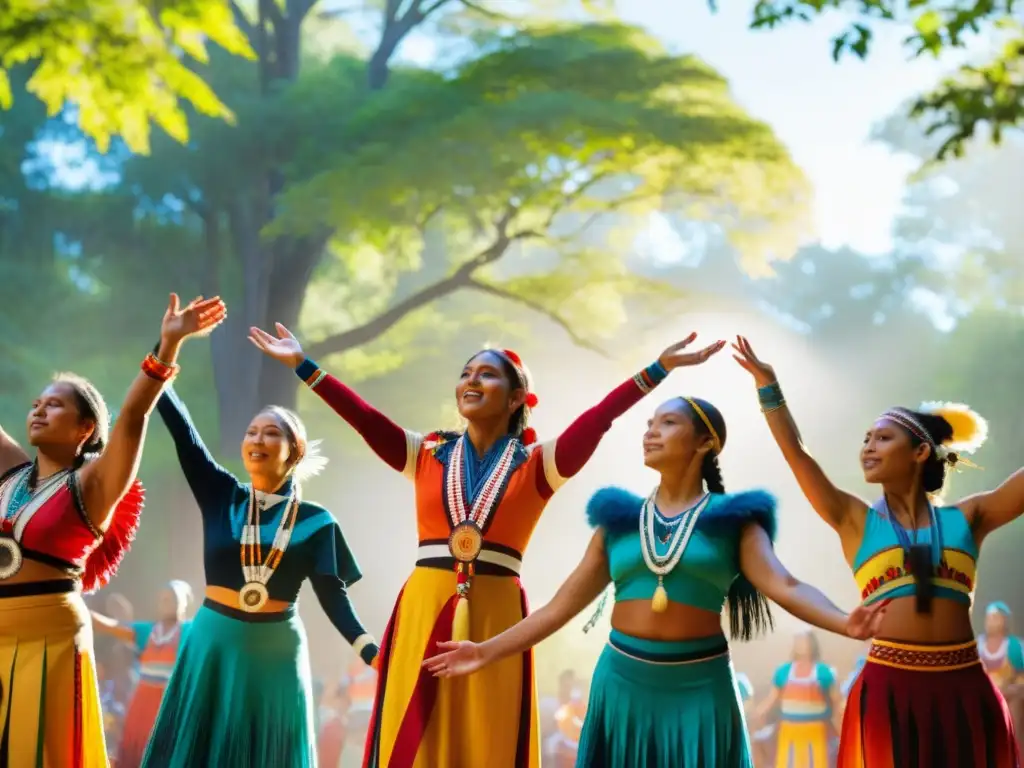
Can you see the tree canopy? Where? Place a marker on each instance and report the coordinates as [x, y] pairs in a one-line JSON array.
[[988, 94], [119, 65]]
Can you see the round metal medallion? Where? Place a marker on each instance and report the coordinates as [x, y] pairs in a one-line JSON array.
[[465, 542], [253, 597], [10, 558]]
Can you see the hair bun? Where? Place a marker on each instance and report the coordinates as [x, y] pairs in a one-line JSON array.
[[970, 430]]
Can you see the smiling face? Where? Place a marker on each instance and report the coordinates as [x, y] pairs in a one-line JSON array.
[[889, 455], [55, 420], [671, 439], [266, 448], [486, 391]]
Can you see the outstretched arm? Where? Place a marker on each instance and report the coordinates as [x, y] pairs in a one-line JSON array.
[[994, 509], [334, 599], [396, 447], [205, 476], [835, 506], [11, 454], [107, 479], [579, 590], [574, 447], [769, 576], [112, 627]]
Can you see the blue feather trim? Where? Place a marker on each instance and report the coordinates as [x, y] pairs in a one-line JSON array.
[[618, 511]]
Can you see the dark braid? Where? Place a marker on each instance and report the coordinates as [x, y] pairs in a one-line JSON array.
[[712, 473]]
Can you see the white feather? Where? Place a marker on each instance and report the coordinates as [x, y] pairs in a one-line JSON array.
[[980, 425], [312, 463]]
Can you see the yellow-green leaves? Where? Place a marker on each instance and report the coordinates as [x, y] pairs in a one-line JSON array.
[[120, 65]]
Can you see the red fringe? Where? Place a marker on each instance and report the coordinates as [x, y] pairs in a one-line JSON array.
[[102, 564]]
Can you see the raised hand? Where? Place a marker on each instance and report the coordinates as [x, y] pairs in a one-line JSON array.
[[197, 318], [743, 354], [284, 348], [676, 357], [459, 658], [864, 620]]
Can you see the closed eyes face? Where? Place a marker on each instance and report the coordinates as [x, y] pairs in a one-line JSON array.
[[484, 390], [888, 454], [266, 448], [54, 418]]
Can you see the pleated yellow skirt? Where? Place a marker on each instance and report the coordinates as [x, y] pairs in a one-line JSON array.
[[49, 699], [802, 745], [486, 719]]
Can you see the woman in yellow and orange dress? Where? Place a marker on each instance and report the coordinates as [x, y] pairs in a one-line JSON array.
[[479, 495]]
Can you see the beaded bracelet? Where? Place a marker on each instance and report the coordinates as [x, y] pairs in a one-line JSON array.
[[651, 376], [157, 369]]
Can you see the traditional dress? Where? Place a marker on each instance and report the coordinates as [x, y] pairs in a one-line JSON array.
[[805, 714], [241, 690], [923, 706], [664, 704], [160, 645], [1005, 661], [475, 516], [50, 713]]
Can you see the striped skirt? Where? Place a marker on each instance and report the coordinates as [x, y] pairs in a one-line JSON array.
[[49, 699], [240, 695], [926, 706], [664, 705]]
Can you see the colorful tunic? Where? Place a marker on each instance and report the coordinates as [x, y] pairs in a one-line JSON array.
[[49, 694], [241, 690], [159, 647], [674, 704], [917, 706], [1005, 664], [805, 714], [419, 720]]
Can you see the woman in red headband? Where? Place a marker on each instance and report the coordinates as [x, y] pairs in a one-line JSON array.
[[479, 495]]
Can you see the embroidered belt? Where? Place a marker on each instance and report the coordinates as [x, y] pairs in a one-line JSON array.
[[924, 658], [493, 560]]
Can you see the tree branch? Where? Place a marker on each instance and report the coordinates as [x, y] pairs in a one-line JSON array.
[[477, 8], [501, 293], [243, 23]]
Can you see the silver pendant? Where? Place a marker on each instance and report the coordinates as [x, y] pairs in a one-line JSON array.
[[253, 597], [10, 557]]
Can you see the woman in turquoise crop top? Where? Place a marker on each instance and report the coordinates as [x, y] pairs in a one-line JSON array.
[[664, 694], [923, 698]]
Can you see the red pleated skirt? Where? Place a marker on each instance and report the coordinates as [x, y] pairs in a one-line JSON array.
[[919, 706], [138, 723]]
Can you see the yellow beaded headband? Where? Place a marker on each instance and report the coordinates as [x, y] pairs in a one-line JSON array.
[[716, 443]]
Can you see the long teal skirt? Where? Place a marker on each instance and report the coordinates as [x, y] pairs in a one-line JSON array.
[[240, 696], [664, 705]]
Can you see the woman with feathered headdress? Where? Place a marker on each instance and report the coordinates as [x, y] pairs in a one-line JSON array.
[[241, 689], [923, 698]]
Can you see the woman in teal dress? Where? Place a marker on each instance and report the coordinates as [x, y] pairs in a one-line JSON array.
[[241, 690], [664, 694]]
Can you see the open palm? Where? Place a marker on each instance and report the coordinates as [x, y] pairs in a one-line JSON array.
[[678, 356], [743, 354], [284, 347], [459, 658], [864, 620], [199, 317]]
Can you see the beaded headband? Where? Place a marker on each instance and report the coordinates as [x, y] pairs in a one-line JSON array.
[[716, 442]]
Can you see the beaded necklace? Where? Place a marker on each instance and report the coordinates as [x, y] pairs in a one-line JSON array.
[[257, 570], [663, 565]]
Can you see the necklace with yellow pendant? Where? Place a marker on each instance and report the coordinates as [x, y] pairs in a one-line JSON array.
[[661, 565]]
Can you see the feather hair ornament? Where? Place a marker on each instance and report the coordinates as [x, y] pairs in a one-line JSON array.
[[312, 462], [970, 430]]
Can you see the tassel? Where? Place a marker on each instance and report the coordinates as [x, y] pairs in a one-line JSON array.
[[659, 602], [460, 621]]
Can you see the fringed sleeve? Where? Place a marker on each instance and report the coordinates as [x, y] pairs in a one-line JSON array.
[[102, 563], [749, 611]]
